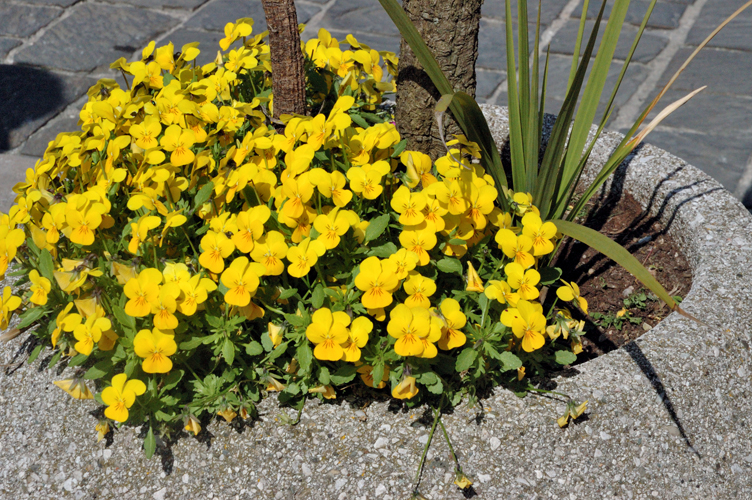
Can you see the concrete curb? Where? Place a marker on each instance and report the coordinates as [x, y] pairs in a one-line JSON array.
[[668, 414]]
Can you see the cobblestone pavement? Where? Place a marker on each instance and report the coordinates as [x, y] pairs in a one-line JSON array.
[[51, 51]]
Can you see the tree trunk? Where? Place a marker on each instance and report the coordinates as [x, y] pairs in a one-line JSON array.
[[450, 29], [288, 76]]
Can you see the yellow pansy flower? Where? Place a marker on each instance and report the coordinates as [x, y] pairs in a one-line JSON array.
[[573, 410], [570, 291], [304, 256], [82, 222], [164, 308], [242, 281], [419, 241], [269, 250], [276, 334], [378, 280], [333, 225], [501, 291], [139, 231], [90, 332], [155, 346], [358, 338], [250, 227], [192, 425], [541, 233], [325, 390], [516, 247], [418, 289], [405, 261], [120, 396], [143, 292], [328, 330], [415, 329], [453, 320], [75, 387], [216, 248], [40, 287], [409, 205], [527, 322], [366, 184], [179, 141], [523, 281]]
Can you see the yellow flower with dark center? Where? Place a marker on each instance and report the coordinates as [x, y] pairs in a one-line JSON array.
[[501, 291], [541, 233], [358, 338], [516, 247], [269, 250], [165, 306], [328, 331], [297, 191], [416, 331], [481, 203], [304, 256], [419, 241], [143, 292], [216, 248], [527, 323], [570, 291], [155, 346], [419, 288], [40, 287], [405, 261], [242, 281], [250, 227], [82, 222], [145, 133], [523, 281], [409, 205], [333, 225], [366, 184], [453, 320], [179, 141], [120, 396], [89, 333], [378, 280], [140, 230], [194, 293]]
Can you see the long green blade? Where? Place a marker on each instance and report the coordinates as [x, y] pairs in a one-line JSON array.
[[592, 94], [557, 143], [475, 130], [578, 44], [617, 253], [515, 122], [523, 70], [532, 135]]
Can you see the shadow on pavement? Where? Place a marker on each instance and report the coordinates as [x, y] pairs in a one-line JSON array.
[[26, 94]]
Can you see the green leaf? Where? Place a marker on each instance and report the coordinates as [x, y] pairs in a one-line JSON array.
[[253, 349], [318, 296], [466, 359], [228, 351], [376, 227], [287, 293], [46, 265], [359, 121], [203, 194], [278, 351], [437, 388], [383, 251], [99, 370], [125, 320], [35, 353], [549, 275], [378, 371], [55, 358], [31, 316], [78, 360], [150, 444], [399, 148], [344, 374], [172, 379], [324, 377], [620, 255], [509, 361], [449, 265], [456, 241], [565, 357], [267, 343], [292, 389], [304, 355], [192, 343]]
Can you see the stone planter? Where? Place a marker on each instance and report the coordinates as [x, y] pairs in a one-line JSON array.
[[669, 415]]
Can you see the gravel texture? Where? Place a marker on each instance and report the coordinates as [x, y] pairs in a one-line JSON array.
[[668, 415]]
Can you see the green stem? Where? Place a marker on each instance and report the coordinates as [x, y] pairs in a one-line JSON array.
[[451, 448], [543, 391], [436, 418]]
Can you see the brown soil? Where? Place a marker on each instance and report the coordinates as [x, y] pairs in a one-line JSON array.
[[606, 285]]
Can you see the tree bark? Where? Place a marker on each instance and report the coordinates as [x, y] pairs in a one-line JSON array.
[[288, 75], [450, 29]]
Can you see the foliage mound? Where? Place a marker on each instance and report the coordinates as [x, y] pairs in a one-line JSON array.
[[188, 254]]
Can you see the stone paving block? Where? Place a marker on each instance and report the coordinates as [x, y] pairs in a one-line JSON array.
[[217, 14], [550, 9], [665, 15], [492, 52], [14, 169], [651, 44], [164, 4], [30, 97], [709, 112], [719, 69], [25, 20], [59, 3], [209, 42], [735, 35], [720, 155], [95, 34], [65, 121], [6, 44], [376, 42], [487, 83], [359, 15]]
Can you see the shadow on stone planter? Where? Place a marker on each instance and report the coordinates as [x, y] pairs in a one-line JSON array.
[[26, 94]]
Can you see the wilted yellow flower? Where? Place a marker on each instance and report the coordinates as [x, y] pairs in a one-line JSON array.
[[75, 387], [406, 389]]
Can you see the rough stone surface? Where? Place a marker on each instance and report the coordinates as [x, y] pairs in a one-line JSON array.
[[59, 3], [6, 44], [550, 9], [23, 20], [668, 415], [164, 4], [712, 67], [14, 169], [359, 15], [100, 33], [665, 15], [487, 83], [65, 121], [216, 15], [24, 107], [651, 44], [208, 42], [734, 36]]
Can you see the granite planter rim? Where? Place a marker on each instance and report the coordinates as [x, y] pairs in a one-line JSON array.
[[663, 410]]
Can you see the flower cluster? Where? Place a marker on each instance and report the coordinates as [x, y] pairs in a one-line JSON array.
[[191, 255]]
